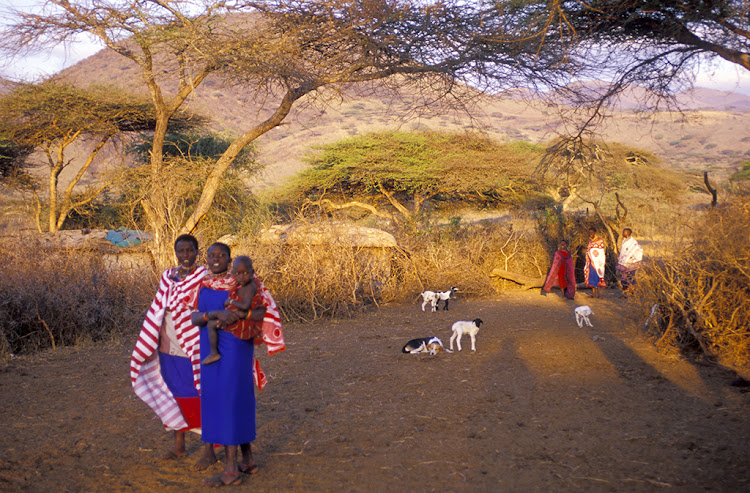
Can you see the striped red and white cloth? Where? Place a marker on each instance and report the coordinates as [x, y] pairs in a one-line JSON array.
[[271, 334], [180, 299]]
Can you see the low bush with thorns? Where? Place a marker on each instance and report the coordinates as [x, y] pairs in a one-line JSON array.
[[53, 298], [700, 289]]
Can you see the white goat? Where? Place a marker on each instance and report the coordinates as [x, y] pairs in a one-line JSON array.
[[429, 297], [435, 297], [461, 328], [582, 315]]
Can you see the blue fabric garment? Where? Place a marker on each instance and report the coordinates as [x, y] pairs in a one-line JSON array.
[[593, 276], [177, 372], [227, 387]]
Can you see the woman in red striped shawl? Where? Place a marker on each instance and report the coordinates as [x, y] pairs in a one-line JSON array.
[[164, 366]]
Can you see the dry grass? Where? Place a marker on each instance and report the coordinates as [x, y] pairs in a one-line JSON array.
[[336, 279], [698, 275], [50, 299]]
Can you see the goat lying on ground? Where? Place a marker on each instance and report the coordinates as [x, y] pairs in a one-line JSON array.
[[431, 345], [435, 297], [461, 328]]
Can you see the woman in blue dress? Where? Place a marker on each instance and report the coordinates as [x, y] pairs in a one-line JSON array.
[[227, 386]]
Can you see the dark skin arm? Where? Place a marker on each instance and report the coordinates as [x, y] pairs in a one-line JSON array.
[[225, 317], [256, 314], [245, 294]]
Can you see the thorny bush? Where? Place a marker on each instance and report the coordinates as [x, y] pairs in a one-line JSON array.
[[338, 279], [697, 297], [53, 298]]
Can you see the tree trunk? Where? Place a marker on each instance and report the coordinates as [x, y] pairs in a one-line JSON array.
[[710, 189]]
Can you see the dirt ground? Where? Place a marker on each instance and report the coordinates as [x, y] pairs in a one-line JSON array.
[[541, 406]]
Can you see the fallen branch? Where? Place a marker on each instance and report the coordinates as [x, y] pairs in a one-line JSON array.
[[525, 281]]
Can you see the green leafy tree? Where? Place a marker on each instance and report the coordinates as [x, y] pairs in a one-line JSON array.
[[51, 117], [393, 174], [284, 51]]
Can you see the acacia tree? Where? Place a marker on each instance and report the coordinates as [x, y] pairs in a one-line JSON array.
[[655, 44], [284, 51], [51, 117], [393, 174]]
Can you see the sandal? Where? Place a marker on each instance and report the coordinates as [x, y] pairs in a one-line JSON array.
[[172, 455], [224, 479], [251, 468]]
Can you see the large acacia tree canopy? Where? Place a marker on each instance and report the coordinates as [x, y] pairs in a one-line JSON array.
[[41, 114], [399, 168], [451, 166], [658, 43]]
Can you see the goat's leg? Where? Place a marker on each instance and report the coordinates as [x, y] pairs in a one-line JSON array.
[[446, 305], [473, 341], [453, 337]]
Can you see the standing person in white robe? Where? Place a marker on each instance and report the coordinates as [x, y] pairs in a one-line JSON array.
[[631, 256]]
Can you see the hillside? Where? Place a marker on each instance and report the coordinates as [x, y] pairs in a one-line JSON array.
[[712, 132]]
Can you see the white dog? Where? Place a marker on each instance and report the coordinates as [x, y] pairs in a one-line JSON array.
[[582, 315], [461, 328]]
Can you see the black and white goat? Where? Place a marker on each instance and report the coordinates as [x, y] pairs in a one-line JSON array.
[[465, 327], [435, 297]]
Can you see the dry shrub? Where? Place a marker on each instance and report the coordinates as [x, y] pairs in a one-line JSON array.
[[52, 298], [335, 279], [701, 288], [311, 281]]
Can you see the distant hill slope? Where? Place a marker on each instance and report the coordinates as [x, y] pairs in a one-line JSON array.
[[712, 133]]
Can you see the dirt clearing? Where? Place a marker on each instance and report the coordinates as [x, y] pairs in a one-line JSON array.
[[541, 406]]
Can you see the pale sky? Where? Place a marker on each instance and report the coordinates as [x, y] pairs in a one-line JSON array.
[[723, 75]]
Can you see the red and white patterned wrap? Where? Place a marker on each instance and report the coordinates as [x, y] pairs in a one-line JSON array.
[[180, 298]]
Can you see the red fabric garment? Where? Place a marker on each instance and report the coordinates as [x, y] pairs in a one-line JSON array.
[[561, 271], [562, 274], [245, 329], [271, 333], [596, 260], [191, 411]]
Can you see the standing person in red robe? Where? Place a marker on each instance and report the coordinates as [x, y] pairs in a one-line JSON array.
[[562, 272]]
